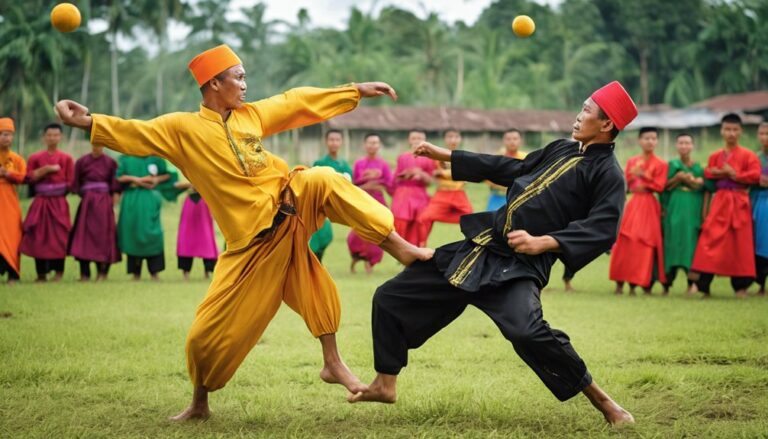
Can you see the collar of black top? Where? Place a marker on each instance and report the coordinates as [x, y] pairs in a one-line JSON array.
[[598, 148]]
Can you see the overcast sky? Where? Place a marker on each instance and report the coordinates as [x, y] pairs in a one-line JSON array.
[[330, 13]]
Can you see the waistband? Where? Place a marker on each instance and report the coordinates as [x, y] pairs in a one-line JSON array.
[[50, 189]]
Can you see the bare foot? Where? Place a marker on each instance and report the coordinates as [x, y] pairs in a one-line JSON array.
[[155, 277], [198, 409], [618, 291], [186, 275], [136, 277], [382, 389], [338, 373], [647, 291], [194, 411], [617, 416], [741, 294], [405, 252], [57, 277], [761, 293], [614, 414], [569, 288], [352, 266], [85, 279], [368, 267]]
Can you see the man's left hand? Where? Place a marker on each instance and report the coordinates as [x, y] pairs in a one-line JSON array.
[[376, 89], [522, 242]]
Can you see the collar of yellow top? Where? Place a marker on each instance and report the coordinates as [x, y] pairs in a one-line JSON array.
[[209, 114]]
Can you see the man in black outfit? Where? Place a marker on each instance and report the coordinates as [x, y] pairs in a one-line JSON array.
[[564, 201]]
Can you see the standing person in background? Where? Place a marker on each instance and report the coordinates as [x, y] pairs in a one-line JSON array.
[[373, 175], [638, 255], [759, 198], [682, 201], [450, 201], [512, 141], [94, 234], [196, 237], [727, 245], [139, 231], [412, 176], [13, 170], [46, 229], [324, 236]]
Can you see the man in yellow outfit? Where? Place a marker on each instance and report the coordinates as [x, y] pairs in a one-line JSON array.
[[265, 211]]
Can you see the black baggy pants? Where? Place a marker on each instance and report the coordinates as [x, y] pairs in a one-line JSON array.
[[419, 302]]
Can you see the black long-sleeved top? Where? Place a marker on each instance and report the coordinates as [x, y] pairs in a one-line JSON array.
[[577, 198]]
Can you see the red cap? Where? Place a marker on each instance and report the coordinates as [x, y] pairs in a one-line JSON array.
[[616, 104]]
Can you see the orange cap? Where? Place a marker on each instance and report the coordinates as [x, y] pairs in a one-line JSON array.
[[212, 62], [6, 124]]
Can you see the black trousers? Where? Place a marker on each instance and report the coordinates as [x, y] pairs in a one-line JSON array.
[[5, 267], [672, 274], [155, 264], [568, 275], [419, 302], [85, 268], [761, 267], [737, 282], [185, 263], [45, 266]]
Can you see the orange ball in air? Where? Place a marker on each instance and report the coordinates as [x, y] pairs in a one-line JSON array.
[[523, 26], [65, 17]]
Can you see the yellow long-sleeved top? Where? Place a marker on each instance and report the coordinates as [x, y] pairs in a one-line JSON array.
[[444, 178], [226, 161]]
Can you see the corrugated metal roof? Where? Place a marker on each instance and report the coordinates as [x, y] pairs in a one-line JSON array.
[[401, 118], [750, 101]]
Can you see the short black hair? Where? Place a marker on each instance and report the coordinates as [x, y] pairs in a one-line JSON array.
[[52, 126], [205, 86], [685, 135], [373, 134], [644, 130], [417, 130], [731, 118], [329, 132], [513, 130], [602, 116], [452, 130]]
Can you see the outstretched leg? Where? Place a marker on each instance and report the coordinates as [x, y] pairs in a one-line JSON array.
[[321, 190], [516, 309]]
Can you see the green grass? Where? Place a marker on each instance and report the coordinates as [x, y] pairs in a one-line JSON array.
[[107, 360]]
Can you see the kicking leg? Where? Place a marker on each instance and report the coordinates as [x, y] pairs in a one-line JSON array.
[[614, 414]]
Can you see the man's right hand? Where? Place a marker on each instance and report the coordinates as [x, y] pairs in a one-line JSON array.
[[434, 152], [50, 169], [73, 114]]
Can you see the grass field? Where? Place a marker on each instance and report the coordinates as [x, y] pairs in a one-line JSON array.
[[107, 360]]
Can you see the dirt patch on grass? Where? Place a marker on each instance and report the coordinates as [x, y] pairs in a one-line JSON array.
[[5, 315]]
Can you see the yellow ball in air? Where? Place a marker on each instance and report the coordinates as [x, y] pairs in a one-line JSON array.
[[523, 26], [65, 17]]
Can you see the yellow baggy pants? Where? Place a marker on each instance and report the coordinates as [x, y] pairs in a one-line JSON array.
[[249, 285]]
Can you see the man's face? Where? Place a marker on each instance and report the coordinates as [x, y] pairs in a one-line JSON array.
[[452, 139], [762, 135], [684, 145], [52, 137], [415, 138], [648, 141], [6, 139], [333, 142], [372, 145], [588, 124], [512, 141], [232, 87], [730, 132]]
